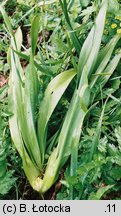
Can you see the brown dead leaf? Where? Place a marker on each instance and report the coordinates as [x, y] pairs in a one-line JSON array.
[[3, 80]]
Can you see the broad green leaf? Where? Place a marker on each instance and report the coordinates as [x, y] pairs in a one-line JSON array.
[[19, 104], [70, 133], [103, 59], [34, 34], [19, 39], [91, 46], [17, 137], [31, 81], [53, 93], [102, 79]]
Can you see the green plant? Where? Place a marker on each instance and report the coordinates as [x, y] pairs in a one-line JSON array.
[[6, 172], [29, 130]]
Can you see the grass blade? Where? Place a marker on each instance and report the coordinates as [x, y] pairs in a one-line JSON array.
[[101, 191], [7, 20], [73, 36]]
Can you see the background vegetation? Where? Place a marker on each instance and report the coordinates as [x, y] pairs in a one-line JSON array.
[[61, 36]]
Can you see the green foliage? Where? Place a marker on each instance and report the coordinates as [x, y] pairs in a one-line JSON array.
[[53, 120], [6, 173], [6, 183], [100, 192], [113, 6]]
